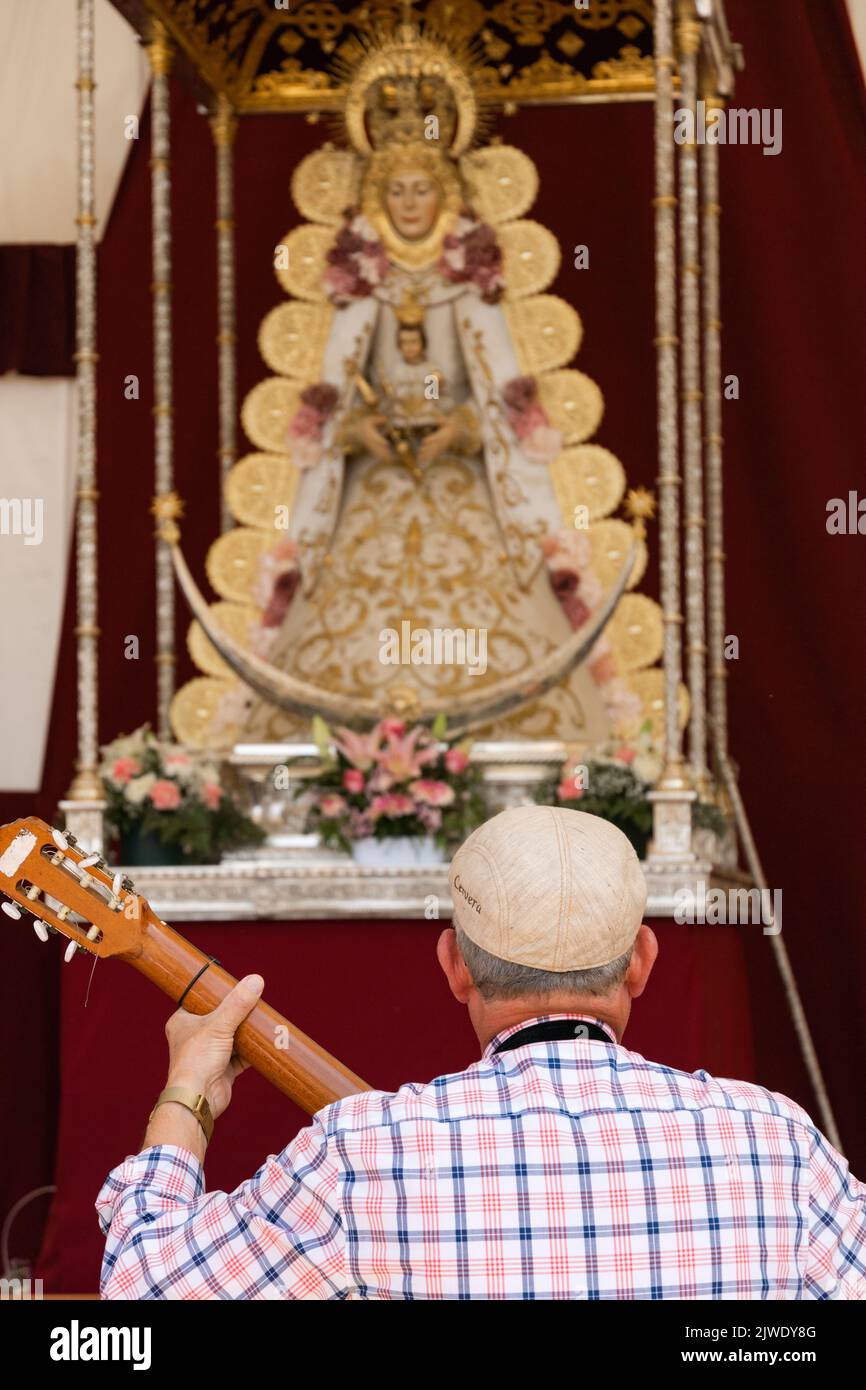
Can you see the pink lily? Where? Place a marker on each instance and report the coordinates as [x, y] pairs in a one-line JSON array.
[[362, 750]]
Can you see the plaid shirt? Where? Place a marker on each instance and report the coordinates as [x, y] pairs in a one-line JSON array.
[[557, 1170]]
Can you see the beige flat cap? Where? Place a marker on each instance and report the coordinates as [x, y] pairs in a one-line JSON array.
[[550, 888]]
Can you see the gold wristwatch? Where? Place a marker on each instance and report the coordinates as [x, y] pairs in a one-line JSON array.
[[196, 1103]]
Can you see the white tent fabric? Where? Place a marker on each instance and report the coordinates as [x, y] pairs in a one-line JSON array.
[[37, 467], [857, 16], [38, 113]]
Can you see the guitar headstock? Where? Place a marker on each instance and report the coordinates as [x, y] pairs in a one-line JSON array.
[[37, 862]]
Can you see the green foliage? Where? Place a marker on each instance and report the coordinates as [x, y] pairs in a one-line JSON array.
[[613, 788]]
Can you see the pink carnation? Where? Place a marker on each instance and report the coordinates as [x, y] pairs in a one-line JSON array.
[[165, 795], [211, 795], [125, 769], [430, 817], [434, 793], [625, 755], [456, 760], [332, 805], [392, 804], [353, 779]]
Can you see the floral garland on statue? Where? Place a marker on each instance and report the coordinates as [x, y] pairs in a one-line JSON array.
[[160, 789], [358, 262], [568, 558], [392, 782], [307, 425], [471, 255], [529, 420]]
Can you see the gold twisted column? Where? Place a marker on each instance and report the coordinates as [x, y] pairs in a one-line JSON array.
[[689, 39], [84, 805], [223, 126], [713, 438], [159, 54]]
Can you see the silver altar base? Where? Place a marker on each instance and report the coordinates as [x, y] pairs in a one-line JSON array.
[[314, 887], [293, 877], [511, 773]]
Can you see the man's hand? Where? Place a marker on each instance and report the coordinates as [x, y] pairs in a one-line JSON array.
[[201, 1049]]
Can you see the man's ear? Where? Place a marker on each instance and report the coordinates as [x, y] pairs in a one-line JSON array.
[[643, 958], [454, 966]]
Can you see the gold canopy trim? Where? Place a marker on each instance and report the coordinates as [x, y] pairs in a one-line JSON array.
[[266, 59]]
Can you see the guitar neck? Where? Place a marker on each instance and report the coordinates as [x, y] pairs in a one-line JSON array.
[[285, 1056]]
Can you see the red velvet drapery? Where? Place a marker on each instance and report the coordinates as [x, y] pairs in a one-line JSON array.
[[794, 292]]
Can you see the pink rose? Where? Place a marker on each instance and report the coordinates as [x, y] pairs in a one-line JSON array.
[[281, 596], [519, 393], [393, 728], [125, 769], [305, 422], [434, 793], [543, 445], [165, 795], [353, 779], [322, 396], [603, 669], [332, 805], [525, 422], [392, 804], [625, 755], [456, 760], [575, 610], [211, 795], [339, 282], [569, 790]]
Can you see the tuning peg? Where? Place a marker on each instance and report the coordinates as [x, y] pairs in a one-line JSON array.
[[33, 892], [12, 910], [40, 929], [117, 883], [89, 862], [60, 840], [70, 952]]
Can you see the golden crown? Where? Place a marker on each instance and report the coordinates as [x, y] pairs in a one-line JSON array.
[[406, 87]]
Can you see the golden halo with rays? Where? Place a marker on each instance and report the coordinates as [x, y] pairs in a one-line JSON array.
[[397, 79]]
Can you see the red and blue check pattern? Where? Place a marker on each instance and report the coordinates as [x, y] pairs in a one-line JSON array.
[[557, 1170]]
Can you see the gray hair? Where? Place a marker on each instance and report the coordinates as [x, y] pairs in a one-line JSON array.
[[503, 979]]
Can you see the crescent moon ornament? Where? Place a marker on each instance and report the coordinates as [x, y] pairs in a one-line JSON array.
[[468, 710]]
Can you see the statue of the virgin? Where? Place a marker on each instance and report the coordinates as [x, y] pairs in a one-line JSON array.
[[424, 559]]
